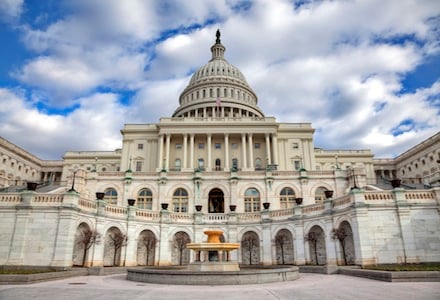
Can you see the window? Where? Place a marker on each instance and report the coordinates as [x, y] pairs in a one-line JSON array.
[[218, 164], [177, 164], [287, 198], [258, 165], [201, 164], [319, 195], [111, 196], [235, 164], [218, 145], [251, 200], [201, 146], [180, 200], [297, 165], [179, 146], [234, 146], [140, 146], [145, 199], [138, 166], [257, 145], [294, 145]]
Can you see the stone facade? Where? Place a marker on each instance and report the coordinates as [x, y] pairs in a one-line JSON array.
[[217, 163]]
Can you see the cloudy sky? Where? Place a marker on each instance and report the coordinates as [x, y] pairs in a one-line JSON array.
[[366, 74]]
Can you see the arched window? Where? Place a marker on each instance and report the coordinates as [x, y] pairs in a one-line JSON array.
[[287, 198], [177, 164], [111, 196], [218, 164], [145, 199], [180, 200], [320, 195], [252, 200]]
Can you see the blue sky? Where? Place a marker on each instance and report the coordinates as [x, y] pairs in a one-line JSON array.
[[366, 74]]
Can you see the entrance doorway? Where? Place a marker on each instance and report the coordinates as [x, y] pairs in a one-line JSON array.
[[216, 202]]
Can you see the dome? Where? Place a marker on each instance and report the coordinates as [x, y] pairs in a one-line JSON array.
[[218, 89]]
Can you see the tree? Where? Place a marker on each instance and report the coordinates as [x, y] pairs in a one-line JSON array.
[[87, 238], [313, 238], [281, 240], [117, 240], [341, 234], [149, 242], [181, 239], [250, 244]]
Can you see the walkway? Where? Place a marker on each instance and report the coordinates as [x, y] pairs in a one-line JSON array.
[[309, 286]]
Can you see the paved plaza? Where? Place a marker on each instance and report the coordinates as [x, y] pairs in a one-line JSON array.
[[309, 286]]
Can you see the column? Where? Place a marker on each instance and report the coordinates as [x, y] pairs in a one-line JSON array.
[[275, 149], [208, 144], [160, 153], [185, 151], [227, 152], [251, 151], [268, 156], [167, 155], [191, 151], [64, 243], [243, 150]]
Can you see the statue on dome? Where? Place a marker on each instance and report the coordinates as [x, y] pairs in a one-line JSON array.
[[217, 34]]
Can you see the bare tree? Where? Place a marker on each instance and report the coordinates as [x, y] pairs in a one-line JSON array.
[[149, 242], [117, 240], [313, 238], [341, 235], [250, 244], [281, 240], [87, 238], [181, 239]]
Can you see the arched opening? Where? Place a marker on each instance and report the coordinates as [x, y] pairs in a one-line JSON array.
[[252, 200], [85, 238], [316, 240], [250, 249], [284, 247], [180, 254], [216, 202], [146, 248], [113, 243], [344, 234], [218, 164]]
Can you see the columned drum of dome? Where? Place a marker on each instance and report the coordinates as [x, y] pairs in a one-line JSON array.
[[218, 89]]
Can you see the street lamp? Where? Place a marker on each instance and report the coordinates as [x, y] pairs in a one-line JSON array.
[[354, 179], [72, 189]]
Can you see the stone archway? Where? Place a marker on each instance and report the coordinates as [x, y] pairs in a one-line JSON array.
[[180, 254], [284, 247], [317, 250], [344, 234], [113, 242], [250, 249], [80, 247], [146, 246], [216, 201]]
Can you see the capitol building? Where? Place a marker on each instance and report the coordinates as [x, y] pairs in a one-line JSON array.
[[219, 163]]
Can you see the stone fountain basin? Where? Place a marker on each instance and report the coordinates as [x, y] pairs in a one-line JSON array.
[[254, 275], [213, 246]]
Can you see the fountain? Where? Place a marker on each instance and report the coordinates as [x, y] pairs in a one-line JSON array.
[[212, 265], [213, 255]]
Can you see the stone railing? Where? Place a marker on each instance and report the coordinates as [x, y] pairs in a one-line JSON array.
[[181, 218], [314, 209], [382, 196], [148, 215], [10, 199], [215, 218], [115, 210], [420, 197], [87, 204], [48, 199], [281, 214], [251, 217]]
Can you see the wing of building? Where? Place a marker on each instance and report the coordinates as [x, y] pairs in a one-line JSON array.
[[219, 163]]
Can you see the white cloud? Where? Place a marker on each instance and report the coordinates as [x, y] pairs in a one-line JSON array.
[[337, 64], [10, 10]]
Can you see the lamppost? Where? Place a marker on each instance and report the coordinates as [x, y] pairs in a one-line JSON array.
[[72, 189], [354, 178]]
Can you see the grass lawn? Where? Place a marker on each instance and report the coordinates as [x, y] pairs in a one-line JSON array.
[[406, 267], [24, 271]]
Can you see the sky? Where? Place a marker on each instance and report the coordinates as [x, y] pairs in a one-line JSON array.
[[366, 74]]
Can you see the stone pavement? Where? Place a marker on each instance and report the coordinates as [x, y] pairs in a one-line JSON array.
[[309, 286]]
